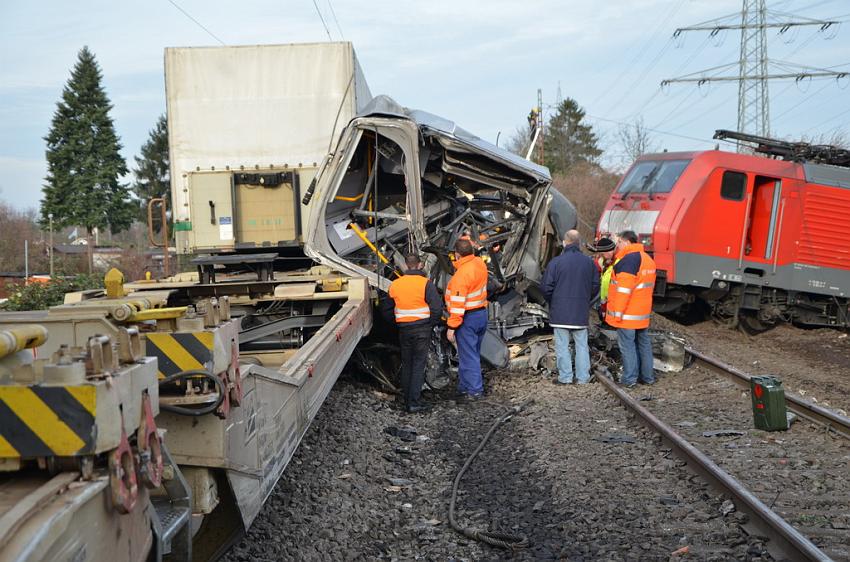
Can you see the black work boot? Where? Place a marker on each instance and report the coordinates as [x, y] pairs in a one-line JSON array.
[[419, 408]]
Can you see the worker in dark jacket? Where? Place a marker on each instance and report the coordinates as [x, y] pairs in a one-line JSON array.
[[570, 284], [416, 307]]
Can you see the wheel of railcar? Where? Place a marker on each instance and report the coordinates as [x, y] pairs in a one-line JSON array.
[[752, 324]]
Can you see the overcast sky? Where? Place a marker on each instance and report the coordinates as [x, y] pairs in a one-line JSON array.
[[478, 62]]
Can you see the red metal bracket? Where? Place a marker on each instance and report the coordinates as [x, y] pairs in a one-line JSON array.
[[122, 476], [151, 463]]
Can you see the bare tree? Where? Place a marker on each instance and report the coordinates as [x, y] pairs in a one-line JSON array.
[[520, 141], [588, 187], [635, 141], [837, 138]]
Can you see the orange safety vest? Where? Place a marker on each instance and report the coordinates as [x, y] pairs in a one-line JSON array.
[[630, 290], [408, 293], [467, 289]]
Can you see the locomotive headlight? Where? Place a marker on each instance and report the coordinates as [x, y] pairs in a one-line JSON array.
[[646, 240]]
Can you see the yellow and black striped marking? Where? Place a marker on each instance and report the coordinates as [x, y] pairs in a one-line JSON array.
[[43, 421], [181, 351]]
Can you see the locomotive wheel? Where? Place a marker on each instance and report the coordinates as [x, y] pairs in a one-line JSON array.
[[752, 325]]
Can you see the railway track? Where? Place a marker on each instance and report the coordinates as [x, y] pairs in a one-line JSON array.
[[791, 485], [800, 406]]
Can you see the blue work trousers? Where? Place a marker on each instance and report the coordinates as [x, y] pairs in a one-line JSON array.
[[469, 336], [636, 349], [565, 362]]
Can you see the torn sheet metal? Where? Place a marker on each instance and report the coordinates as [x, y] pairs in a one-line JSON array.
[[404, 180]]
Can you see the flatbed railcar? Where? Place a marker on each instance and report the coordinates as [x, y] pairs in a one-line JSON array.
[[755, 239]]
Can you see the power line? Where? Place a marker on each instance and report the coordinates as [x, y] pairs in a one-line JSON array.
[[336, 21], [675, 109], [713, 108], [659, 131], [804, 100], [753, 65], [321, 17], [702, 114], [830, 120], [628, 91], [199, 24], [642, 50]]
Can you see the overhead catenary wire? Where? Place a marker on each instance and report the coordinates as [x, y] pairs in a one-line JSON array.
[[702, 114], [643, 49], [336, 21], [199, 24], [322, 18], [676, 108], [687, 61], [801, 102], [652, 129], [830, 120]]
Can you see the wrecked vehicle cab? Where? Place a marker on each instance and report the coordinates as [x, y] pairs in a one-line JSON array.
[[404, 180]]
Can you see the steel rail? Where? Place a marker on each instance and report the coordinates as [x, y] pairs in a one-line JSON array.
[[784, 539], [800, 406]]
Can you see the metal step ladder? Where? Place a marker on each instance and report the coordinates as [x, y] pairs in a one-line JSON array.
[[171, 515]]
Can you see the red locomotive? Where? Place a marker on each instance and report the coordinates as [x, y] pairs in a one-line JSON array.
[[757, 239]]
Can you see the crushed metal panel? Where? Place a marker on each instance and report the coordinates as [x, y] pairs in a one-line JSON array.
[[488, 166]]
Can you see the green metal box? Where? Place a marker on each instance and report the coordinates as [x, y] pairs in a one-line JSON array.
[[768, 398]]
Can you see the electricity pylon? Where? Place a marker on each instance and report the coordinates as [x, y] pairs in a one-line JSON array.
[[754, 66]]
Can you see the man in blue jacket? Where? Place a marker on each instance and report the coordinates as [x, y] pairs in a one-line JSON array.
[[570, 284]]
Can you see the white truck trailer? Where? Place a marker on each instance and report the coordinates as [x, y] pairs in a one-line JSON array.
[[248, 128]]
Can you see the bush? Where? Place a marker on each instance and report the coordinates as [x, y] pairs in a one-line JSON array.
[[40, 296], [588, 187]]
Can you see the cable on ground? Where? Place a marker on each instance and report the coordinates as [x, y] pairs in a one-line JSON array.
[[493, 538]]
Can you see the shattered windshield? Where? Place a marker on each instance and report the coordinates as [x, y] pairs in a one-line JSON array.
[[653, 176]]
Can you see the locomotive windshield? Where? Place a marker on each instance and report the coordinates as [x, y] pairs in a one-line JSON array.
[[653, 176]]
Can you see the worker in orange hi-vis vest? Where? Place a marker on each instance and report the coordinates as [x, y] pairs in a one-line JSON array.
[[466, 299], [415, 305], [630, 308]]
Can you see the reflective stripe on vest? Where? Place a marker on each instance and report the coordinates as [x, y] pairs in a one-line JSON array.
[[476, 293], [467, 289], [408, 293], [622, 316], [636, 317], [638, 286], [418, 313], [630, 297]]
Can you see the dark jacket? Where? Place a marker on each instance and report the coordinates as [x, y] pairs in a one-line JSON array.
[[432, 297], [570, 283]]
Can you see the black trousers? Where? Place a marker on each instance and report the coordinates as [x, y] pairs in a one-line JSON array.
[[414, 341]]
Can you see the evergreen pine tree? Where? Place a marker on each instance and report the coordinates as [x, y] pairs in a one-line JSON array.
[[569, 140], [152, 171], [84, 163]]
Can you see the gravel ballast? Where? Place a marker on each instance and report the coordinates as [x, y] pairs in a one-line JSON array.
[[572, 471]]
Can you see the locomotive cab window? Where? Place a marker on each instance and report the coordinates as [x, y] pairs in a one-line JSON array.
[[652, 176], [733, 186]]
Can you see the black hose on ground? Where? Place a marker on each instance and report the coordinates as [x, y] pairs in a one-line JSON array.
[[493, 538], [195, 412]]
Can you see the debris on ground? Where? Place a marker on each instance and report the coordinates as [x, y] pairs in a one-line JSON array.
[[724, 433]]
